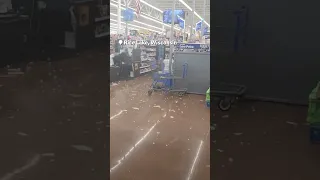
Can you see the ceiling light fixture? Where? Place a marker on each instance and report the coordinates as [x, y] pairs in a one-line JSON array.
[[137, 26], [186, 5], [138, 22], [142, 1], [146, 17], [182, 1]]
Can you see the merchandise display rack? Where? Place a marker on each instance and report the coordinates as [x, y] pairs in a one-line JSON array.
[[167, 51], [148, 56], [113, 38], [152, 56], [101, 21]]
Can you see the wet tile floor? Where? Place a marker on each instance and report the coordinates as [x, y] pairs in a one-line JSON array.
[[263, 141], [52, 126], [53, 120], [159, 136]]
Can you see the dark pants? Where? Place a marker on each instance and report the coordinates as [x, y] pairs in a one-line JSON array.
[[125, 70]]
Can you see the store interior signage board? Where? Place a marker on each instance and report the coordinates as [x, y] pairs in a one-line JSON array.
[[178, 13], [198, 25], [128, 15], [192, 46]]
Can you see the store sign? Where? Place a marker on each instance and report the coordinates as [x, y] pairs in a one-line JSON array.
[[193, 46], [128, 15], [198, 25], [206, 31], [178, 13]]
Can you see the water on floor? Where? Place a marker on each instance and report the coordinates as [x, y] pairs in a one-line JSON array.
[[53, 120], [157, 137], [263, 141]]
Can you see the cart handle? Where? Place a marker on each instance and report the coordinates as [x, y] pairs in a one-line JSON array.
[[185, 70]]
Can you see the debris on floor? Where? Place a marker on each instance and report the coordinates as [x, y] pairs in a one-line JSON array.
[[48, 154], [249, 135], [292, 123], [76, 95], [237, 134], [36, 113], [225, 116], [182, 124], [82, 148], [219, 150]]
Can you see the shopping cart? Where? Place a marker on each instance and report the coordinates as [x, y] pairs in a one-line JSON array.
[[226, 94], [165, 82]]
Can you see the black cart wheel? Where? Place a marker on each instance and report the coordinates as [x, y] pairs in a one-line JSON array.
[[180, 94], [224, 104], [150, 92]]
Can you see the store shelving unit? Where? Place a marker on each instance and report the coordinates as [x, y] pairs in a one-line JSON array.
[[148, 57], [112, 46], [145, 61], [167, 51], [101, 21]]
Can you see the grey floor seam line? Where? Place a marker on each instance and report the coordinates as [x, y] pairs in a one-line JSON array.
[[29, 165], [127, 154]]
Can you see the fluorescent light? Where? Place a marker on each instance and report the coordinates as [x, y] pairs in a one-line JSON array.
[[139, 22], [151, 6], [147, 24], [144, 16], [190, 27], [198, 15], [137, 26], [154, 20], [145, 28], [117, 6], [142, 1], [186, 5], [184, 22], [114, 25], [202, 19], [159, 22], [113, 14], [113, 20], [115, 28]]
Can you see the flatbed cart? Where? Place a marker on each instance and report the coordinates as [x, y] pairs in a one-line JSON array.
[[226, 94], [165, 82]]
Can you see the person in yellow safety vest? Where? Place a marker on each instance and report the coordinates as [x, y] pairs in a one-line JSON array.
[[208, 97]]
